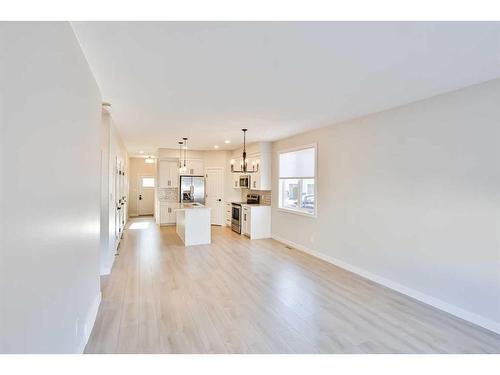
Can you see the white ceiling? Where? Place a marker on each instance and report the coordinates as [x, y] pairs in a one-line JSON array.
[[207, 80]]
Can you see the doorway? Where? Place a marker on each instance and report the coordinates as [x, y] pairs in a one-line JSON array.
[[146, 198], [214, 194]]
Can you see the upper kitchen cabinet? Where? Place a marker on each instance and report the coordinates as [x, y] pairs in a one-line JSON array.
[[168, 174], [195, 167], [258, 154], [236, 180], [260, 180], [238, 165]]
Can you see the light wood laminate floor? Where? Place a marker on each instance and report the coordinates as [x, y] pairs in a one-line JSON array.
[[242, 296]]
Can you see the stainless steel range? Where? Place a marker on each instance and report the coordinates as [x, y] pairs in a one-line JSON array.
[[236, 211]]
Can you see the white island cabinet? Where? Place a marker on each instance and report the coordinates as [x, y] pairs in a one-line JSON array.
[[193, 224]]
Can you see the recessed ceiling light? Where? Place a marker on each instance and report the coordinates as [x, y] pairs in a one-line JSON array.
[[227, 141], [141, 152], [216, 146]]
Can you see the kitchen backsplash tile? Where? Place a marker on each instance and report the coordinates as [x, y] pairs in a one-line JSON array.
[[168, 194], [265, 195], [172, 195]]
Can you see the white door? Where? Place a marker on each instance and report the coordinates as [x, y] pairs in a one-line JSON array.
[[146, 195], [214, 192]]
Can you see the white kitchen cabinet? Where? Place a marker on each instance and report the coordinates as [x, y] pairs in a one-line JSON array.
[[238, 165], [195, 167], [173, 168], [260, 155], [236, 180], [167, 212], [163, 214], [168, 174], [256, 221], [245, 221], [163, 174], [260, 180], [253, 162]]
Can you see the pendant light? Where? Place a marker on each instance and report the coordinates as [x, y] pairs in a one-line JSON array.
[[244, 166], [184, 168], [180, 155]]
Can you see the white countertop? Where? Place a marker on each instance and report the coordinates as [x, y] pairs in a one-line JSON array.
[[190, 206]]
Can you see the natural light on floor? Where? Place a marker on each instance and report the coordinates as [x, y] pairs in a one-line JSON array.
[[139, 225]]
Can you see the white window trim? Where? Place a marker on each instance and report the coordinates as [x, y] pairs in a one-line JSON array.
[[147, 187], [313, 215]]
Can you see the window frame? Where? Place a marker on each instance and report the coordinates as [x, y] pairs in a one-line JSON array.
[[300, 211], [141, 182]]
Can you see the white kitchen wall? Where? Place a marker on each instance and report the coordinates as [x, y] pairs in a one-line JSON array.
[[50, 113], [410, 197]]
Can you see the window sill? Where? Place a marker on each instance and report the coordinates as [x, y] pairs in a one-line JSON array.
[[297, 212]]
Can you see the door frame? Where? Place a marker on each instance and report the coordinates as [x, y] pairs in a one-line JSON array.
[[222, 199], [139, 189], [118, 193]]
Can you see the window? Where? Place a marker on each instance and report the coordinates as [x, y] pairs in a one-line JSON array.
[[297, 180], [148, 182]]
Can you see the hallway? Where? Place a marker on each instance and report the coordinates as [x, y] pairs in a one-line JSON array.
[[241, 296]]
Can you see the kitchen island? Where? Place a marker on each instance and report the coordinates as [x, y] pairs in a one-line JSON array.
[[193, 224]]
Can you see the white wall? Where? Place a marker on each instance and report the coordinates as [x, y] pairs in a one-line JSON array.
[[50, 113], [117, 151], [411, 197], [106, 204]]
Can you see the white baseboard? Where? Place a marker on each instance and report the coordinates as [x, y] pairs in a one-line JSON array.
[[89, 322], [105, 271], [422, 297]]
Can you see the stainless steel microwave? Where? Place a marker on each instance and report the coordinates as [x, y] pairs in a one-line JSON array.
[[244, 181]]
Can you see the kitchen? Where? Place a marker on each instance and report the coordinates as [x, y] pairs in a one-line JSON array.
[[217, 182]]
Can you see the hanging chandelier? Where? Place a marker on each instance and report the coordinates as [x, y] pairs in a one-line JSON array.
[[244, 164], [183, 168]]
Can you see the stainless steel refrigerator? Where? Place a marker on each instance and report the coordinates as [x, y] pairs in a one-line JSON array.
[[192, 189]]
